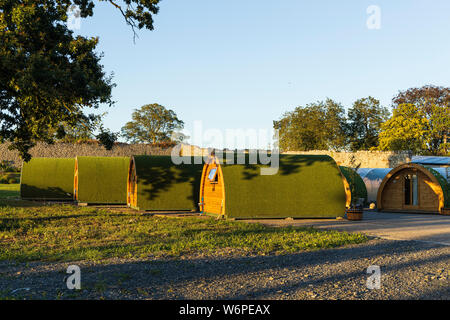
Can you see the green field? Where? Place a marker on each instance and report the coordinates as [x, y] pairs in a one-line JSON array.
[[36, 232], [9, 191]]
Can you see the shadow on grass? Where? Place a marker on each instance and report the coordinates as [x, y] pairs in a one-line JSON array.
[[157, 276], [9, 224]]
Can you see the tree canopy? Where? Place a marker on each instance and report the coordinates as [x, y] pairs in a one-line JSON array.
[[424, 97], [420, 121], [316, 126], [405, 130], [48, 75], [152, 123], [324, 126], [364, 123]]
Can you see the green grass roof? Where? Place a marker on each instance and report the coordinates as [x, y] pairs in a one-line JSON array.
[[103, 179], [162, 185], [306, 186], [355, 181], [48, 179]]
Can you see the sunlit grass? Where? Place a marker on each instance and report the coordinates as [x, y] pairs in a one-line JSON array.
[[64, 232], [8, 191]]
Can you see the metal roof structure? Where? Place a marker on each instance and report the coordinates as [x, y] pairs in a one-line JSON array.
[[363, 171], [431, 160], [445, 172], [372, 178]]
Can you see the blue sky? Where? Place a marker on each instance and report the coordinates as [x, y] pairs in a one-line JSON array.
[[243, 63]]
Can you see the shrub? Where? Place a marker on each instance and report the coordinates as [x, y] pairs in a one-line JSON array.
[[107, 138], [11, 178], [7, 166]]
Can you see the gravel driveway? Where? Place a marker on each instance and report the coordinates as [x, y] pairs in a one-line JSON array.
[[432, 228], [409, 269]]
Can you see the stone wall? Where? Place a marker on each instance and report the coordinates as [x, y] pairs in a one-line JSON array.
[[367, 159], [67, 150]]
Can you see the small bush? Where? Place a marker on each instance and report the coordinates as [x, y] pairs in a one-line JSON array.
[[7, 166], [10, 178]]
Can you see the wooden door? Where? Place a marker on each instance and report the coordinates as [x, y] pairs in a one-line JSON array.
[[410, 181], [213, 200], [132, 186], [75, 182]]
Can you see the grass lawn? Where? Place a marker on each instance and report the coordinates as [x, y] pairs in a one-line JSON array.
[[9, 191], [68, 233]]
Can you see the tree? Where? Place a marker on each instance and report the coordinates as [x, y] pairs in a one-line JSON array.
[[364, 123], [318, 126], [412, 128], [152, 123], [425, 97], [107, 138], [434, 104], [335, 124], [407, 129], [85, 130], [82, 130], [47, 75]]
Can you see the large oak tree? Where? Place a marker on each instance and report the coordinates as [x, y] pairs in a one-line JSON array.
[[153, 123], [48, 76]]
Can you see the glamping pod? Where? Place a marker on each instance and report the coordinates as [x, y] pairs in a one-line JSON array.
[[101, 180], [353, 181], [412, 187], [305, 186], [156, 183], [372, 178], [47, 179]]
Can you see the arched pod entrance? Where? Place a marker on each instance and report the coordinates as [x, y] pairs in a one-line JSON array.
[[413, 188], [212, 188], [132, 184], [75, 182], [156, 183], [305, 186]]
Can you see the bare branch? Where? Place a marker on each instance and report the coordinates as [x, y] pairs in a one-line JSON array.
[[130, 22]]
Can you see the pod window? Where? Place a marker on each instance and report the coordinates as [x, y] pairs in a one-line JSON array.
[[212, 176]]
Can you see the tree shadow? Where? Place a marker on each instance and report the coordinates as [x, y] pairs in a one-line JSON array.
[[9, 224], [28, 192], [288, 164], [237, 275], [160, 179]]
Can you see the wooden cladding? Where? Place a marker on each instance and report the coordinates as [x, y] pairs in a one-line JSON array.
[[132, 184], [410, 187], [212, 191]]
